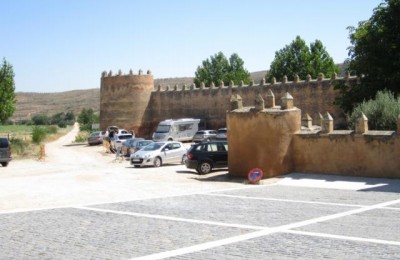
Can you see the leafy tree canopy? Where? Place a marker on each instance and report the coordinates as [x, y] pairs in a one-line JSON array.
[[374, 55], [7, 91], [86, 118], [299, 59], [219, 69], [382, 112]]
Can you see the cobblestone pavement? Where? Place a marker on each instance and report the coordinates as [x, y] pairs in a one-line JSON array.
[[301, 216]]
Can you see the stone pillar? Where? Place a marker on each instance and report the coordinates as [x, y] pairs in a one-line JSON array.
[[306, 121], [327, 126], [236, 102], [320, 120], [270, 99], [259, 103], [362, 124], [287, 101]]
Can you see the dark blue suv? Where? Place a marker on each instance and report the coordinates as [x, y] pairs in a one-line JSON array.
[[5, 152], [205, 156]]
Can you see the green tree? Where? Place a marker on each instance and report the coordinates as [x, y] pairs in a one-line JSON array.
[[299, 59], [321, 61], [70, 118], [86, 118], [236, 71], [40, 120], [382, 112], [219, 69], [374, 55], [7, 91]]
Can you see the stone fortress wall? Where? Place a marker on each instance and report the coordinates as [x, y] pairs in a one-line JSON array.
[[134, 103], [279, 140]]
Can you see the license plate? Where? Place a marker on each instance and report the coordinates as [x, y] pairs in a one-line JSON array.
[[135, 160]]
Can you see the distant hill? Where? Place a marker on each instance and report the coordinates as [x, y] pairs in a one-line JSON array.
[[30, 103]]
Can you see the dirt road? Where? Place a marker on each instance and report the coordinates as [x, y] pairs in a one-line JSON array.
[[74, 174]]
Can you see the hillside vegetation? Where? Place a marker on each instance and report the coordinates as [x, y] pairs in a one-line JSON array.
[[30, 103]]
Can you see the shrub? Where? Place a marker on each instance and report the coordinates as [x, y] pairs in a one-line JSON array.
[[82, 137], [38, 134], [382, 112], [51, 129], [18, 145]]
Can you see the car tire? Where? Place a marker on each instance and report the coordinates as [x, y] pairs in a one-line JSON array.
[[157, 162], [4, 164], [208, 140], [136, 166], [184, 158], [204, 167]]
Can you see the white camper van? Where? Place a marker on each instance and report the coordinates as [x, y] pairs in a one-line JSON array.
[[176, 130]]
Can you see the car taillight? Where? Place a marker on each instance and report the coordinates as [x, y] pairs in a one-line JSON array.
[[190, 156]]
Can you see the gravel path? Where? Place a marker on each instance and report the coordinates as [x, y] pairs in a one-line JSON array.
[[73, 174]]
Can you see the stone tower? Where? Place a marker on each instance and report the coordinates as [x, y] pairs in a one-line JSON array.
[[124, 100]]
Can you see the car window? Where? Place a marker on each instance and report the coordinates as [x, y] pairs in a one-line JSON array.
[[212, 148], [201, 147], [3, 143], [199, 132], [152, 147], [221, 148], [176, 145], [124, 137]]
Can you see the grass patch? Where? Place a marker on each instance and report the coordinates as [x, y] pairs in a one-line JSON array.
[[21, 138], [82, 137]]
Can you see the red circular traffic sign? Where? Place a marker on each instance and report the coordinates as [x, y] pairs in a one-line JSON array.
[[255, 175]]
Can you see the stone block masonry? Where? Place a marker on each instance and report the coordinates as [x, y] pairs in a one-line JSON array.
[[132, 101], [273, 140]]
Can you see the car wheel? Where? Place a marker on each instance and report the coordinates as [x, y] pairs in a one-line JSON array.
[[157, 162], [204, 168], [170, 139], [184, 158], [208, 140], [4, 164]]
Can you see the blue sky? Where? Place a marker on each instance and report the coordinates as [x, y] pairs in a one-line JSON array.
[[61, 45]]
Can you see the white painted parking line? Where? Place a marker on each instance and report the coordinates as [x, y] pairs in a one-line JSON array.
[[172, 218], [359, 239], [284, 228], [287, 200]]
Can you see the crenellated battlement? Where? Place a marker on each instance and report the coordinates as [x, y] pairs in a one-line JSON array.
[[105, 74], [125, 94], [296, 82]]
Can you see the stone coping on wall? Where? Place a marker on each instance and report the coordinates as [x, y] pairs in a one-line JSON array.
[[276, 109], [316, 132], [192, 87]]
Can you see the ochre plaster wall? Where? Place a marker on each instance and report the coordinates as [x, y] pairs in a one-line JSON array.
[[351, 155], [130, 101], [124, 101], [316, 96], [261, 140]]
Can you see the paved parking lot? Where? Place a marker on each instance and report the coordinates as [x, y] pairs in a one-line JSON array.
[[300, 216]]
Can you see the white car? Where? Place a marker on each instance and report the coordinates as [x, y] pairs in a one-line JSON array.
[[118, 140], [159, 153]]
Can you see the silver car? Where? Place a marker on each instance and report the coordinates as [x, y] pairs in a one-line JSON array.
[[159, 153], [204, 135]]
